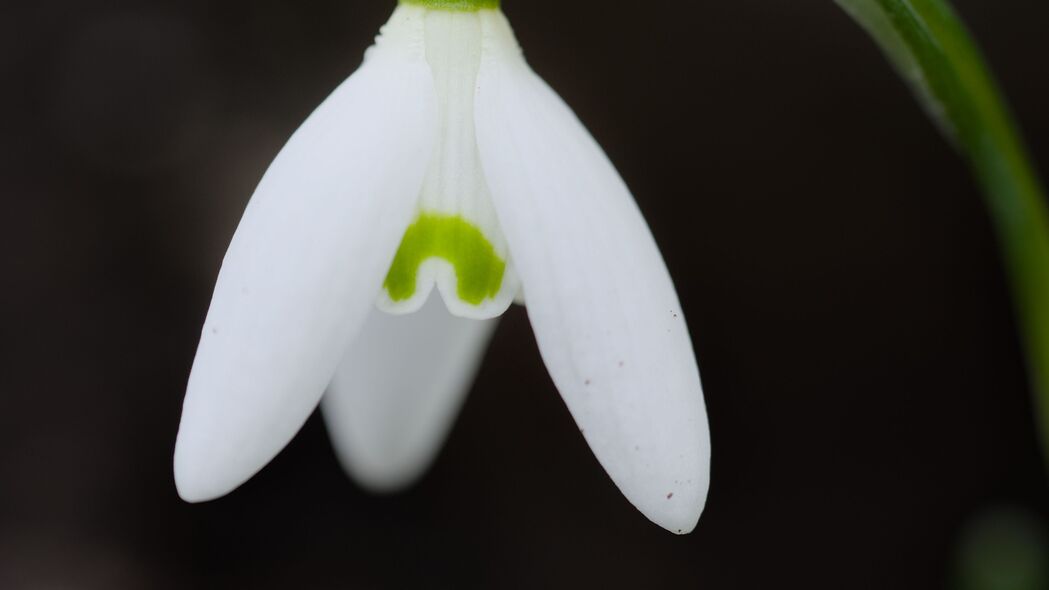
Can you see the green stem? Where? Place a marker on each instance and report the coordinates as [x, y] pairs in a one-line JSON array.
[[455, 5], [932, 49]]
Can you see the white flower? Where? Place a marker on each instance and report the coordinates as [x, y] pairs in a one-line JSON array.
[[445, 162]]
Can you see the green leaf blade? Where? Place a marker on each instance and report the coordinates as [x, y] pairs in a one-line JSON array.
[[934, 52]]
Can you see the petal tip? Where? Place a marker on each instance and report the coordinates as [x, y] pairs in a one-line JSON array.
[[192, 493], [199, 477], [674, 503], [675, 512], [194, 489], [386, 484], [378, 471], [683, 523]]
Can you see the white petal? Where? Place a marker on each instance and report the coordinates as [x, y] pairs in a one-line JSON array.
[[398, 391], [600, 299], [305, 265]]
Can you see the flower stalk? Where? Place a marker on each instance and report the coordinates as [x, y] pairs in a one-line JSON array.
[[455, 5]]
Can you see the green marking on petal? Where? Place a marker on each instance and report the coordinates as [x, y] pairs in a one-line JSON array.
[[478, 268], [455, 5]]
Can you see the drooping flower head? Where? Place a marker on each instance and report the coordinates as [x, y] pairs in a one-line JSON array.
[[443, 164]]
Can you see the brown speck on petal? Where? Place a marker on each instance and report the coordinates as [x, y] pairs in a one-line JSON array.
[[670, 495]]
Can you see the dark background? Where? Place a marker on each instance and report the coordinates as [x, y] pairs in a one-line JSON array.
[[867, 397]]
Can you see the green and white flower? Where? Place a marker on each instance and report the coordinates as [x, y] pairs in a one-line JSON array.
[[443, 162]]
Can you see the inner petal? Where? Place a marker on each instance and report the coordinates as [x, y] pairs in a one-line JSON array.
[[455, 243]]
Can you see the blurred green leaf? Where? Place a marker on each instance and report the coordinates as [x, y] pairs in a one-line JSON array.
[[935, 54], [1003, 549]]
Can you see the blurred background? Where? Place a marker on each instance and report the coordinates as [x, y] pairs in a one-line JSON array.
[[870, 415]]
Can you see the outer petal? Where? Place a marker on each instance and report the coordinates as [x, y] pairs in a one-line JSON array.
[[398, 391], [600, 299], [305, 265]]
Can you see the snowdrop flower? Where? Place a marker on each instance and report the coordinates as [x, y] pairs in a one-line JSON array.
[[443, 163]]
